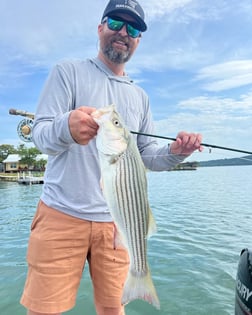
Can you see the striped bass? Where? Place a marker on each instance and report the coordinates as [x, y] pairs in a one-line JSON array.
[[124, 186]]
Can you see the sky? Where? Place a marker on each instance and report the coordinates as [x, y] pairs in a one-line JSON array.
[[194, 61]]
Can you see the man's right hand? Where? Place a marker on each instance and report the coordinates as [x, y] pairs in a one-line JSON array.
[[81, 124]]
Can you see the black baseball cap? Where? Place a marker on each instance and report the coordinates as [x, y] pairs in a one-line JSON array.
[[131, 7]]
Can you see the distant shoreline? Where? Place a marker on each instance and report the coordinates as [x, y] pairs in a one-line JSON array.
[[244, 160]]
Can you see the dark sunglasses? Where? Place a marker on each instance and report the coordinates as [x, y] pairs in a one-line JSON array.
[[117, 24]]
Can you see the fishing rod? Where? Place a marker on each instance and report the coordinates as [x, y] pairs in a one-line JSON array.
[[25, 130], [203, 144], [24, 113]]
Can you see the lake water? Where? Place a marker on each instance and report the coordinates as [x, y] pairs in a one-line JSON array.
[[203, 218]]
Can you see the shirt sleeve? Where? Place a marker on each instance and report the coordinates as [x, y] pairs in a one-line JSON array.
[[51, 132]]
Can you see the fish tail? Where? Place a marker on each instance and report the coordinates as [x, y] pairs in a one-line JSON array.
[[140, 287]]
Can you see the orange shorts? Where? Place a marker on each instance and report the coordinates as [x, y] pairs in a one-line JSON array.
[[58, 247]]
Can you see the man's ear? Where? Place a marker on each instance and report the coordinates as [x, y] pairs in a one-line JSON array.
[[100, 28]]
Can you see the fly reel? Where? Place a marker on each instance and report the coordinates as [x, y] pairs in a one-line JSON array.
[[24, 129]]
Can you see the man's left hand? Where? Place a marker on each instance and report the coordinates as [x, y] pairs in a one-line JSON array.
[[186, 143]]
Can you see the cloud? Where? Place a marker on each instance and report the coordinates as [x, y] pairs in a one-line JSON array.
[[194, 34], [194, 60], [40, 31], [228, 75], [219, 104], [35, 35], [159, 8], [222, 121]]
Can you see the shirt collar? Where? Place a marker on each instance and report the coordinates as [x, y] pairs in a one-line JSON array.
[[104, 68]]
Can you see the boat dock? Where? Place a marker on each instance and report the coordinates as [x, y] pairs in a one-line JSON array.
[[30, 180], [25, 179]]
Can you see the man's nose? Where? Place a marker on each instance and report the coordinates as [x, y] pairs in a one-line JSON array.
[[123, 30]]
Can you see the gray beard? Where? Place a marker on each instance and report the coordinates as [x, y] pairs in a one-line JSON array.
[[116, 56]]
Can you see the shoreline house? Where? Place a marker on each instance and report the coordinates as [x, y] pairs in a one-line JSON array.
[[12, 163]]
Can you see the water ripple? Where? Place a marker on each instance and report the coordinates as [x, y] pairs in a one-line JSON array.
[[203, 219]]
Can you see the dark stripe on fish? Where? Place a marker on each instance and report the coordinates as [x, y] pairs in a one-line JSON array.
[[133, 207]]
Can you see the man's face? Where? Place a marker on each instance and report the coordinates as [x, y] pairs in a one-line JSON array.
[[117, 46]]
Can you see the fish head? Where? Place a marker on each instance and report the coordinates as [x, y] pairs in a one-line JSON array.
[[112, 137]]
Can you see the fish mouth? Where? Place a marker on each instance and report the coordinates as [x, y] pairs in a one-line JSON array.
[[97, 114]]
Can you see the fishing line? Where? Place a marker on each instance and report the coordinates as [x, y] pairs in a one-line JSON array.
[[222, 155], [203, 144]]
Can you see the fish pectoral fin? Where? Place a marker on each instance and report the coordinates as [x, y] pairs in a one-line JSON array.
[[118, 240], [114, 158], [152, 226]]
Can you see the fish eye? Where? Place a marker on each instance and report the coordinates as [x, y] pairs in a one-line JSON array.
[[116, 122]]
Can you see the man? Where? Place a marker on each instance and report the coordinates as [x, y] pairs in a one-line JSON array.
[[72, 223]]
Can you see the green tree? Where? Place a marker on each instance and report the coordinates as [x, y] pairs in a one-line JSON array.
[[28, 155], [5, 150], [40, 164]]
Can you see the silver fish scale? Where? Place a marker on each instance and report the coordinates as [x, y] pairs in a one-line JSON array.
[[131, 194]]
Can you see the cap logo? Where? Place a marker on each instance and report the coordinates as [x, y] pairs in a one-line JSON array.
[[132, 4], [129, 4]]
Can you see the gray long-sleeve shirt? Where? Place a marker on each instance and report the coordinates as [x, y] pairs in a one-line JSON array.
[[72, 177]]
